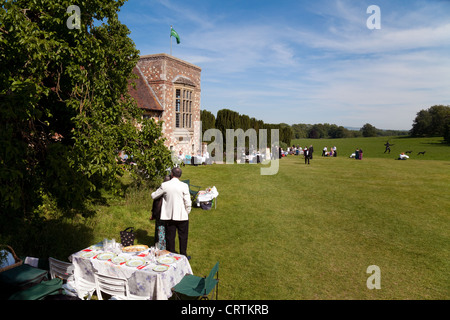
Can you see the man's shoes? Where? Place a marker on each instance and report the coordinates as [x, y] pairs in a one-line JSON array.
[[188, 257]]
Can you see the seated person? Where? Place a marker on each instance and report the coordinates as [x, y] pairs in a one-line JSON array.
[[180, 156], [403, 156]]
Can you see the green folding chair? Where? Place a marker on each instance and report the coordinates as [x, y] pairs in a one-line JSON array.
[[198, 287], [39, 291], [193, 190]]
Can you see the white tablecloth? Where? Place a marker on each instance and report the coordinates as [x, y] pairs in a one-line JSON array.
[[207, 195], [142, 282]]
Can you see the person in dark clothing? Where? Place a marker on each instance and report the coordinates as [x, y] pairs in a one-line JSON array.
[[388, 147], [160, 225], [310, 152]]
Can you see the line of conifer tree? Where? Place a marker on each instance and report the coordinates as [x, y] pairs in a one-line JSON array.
[[229, 119]]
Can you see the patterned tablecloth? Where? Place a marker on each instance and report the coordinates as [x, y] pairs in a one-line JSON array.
[[142, 281]]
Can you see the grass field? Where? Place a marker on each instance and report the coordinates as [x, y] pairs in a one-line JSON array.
[[434, 148], [308, 232]]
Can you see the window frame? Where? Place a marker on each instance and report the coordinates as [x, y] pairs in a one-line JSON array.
[[183, 99]]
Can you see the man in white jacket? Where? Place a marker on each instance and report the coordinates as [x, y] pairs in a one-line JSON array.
[[175, 210]]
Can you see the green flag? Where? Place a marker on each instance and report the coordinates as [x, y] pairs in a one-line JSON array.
[[173, 33]]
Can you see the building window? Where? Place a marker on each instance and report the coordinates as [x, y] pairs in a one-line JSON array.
[[183, 108]]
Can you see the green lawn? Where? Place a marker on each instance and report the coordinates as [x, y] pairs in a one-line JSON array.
[[308, 232], [434, 148]]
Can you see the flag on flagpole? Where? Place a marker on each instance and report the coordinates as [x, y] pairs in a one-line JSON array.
[[173, 33]]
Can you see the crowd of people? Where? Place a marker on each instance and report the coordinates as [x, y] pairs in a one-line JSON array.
[[306, 152], [194, 159], [331, 153]]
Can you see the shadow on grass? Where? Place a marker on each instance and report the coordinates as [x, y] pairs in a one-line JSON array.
[[47, 238], [144, 237]]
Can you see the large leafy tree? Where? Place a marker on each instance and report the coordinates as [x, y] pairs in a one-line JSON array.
[[369, 130], [65, 111], [431, 122]]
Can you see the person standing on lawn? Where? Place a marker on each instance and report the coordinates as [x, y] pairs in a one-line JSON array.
[[306, 155], [175, 210]]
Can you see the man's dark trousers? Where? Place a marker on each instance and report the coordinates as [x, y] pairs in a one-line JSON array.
[[183, 231]]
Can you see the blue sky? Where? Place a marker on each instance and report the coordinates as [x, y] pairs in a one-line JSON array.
[[297, 61]]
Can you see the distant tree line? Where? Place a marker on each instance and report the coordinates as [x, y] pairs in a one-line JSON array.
[[332, 131], [228, 119], [432, 122]]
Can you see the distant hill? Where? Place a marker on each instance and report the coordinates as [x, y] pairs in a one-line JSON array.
[[383, 131], [352, 128]]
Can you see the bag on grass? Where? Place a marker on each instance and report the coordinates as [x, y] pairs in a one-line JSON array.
[[127, 237], [206, 205]]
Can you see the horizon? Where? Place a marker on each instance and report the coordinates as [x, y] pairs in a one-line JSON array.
[[311, 124], [306, 62]]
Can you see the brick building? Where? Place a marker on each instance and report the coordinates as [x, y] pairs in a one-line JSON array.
[[168, 89]]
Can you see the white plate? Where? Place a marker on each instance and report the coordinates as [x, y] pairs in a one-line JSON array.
[[98, 246], [166, 260], [160, 268], [88, 254], [106, 256], [118, 260], [135, 262]]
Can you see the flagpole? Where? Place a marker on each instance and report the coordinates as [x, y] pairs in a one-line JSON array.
[[170, 40]]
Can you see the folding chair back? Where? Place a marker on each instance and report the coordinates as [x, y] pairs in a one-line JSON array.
[[210, 282], [193, 190], [60, 269]]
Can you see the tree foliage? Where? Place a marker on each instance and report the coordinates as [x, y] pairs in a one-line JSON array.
[[229, 119], [433, 121], [65, 111], [208, 120], [369, 130]]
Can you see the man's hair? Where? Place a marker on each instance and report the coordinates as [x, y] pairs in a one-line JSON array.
[[176, 172]]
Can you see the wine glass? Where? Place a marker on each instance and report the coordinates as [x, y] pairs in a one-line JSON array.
[[105, 244], [157, 249]]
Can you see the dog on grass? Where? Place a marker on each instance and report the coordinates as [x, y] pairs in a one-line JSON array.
[[422, 152]]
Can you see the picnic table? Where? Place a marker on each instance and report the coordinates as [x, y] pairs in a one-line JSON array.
[[148, 275], [210, 194]]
